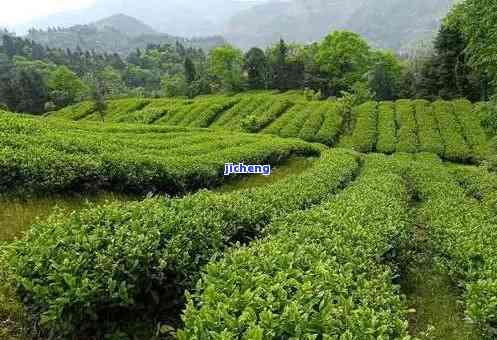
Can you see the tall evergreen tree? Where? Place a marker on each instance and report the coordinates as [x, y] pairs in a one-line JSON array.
[[256, 67], [279, 66], [9, 46], [190, 72]]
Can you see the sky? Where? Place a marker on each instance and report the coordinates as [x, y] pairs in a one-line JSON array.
[[18, 11]]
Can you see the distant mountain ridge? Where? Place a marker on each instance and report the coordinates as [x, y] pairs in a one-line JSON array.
[[175, 17], [116, 34], [125, 24], [394, 24]]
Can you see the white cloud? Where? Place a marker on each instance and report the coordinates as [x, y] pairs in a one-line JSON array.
[[17, 11]]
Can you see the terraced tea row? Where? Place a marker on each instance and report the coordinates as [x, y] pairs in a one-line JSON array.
[[73, 272], [452, 130], [462, 229], [317, 273], [56, 156], [448, 129]]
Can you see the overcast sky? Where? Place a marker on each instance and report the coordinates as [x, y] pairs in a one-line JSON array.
[[17, 11]]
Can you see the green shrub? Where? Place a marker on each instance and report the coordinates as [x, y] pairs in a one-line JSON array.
[[428, 129], [331, 128], [49, 156], [463, 232], [408, 130], [73, 272], [313, 122], [387, 128], [363, 137], [316, 276], [472, 130], [455, 146]]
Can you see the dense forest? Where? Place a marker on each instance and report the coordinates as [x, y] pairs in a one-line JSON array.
[[116, 34], [38, 78]]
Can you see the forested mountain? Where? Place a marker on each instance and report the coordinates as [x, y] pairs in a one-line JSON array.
[[386, 23], [125, 24], [117, 34], [397, 24], [175, 17], [394, 24]]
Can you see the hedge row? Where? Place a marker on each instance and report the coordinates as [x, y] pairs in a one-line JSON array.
[[408, 130], [478, 182], [472, 130], [428, 130], [74, 112], [266, 115], [455, 147], [73, 272], [332, 124], [313, 121], [316, 276], [232, 118], [151, 113], [464, 233], [387, 128], [72, 157], [284, 126], [116, 109], [363, 137]]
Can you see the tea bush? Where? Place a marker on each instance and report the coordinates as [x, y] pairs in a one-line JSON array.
[[363, 137], [316, 275], [331, 128], [387, 128], [463, 232], [48, 156], [455, 147], [428, 129], [472, 130], [73, 272], [408, 130]]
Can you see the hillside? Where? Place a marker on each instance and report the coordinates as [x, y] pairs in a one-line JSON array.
[[118, 34], [124, 24], [175, 17], [399, 184], [392, 24], [397, 126], [386, 23]]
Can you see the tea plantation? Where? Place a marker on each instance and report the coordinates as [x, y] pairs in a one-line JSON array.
[[321, 254], [448, 129]]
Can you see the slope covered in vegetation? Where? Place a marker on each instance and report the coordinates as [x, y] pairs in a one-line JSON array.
[[58, 156], [450, 129]]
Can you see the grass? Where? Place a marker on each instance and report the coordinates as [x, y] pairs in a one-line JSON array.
[[293, 166], [17, 214], [433, 298]]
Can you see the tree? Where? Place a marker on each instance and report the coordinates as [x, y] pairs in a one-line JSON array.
[[256, 68], [110, 82], [455, 78], [65, 86], [98, 97], [226, 66], [279, 67], [190, 72], [9, 46], [25, 91], [174, 86], [478, 20], [384, 76], [345, 58]]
